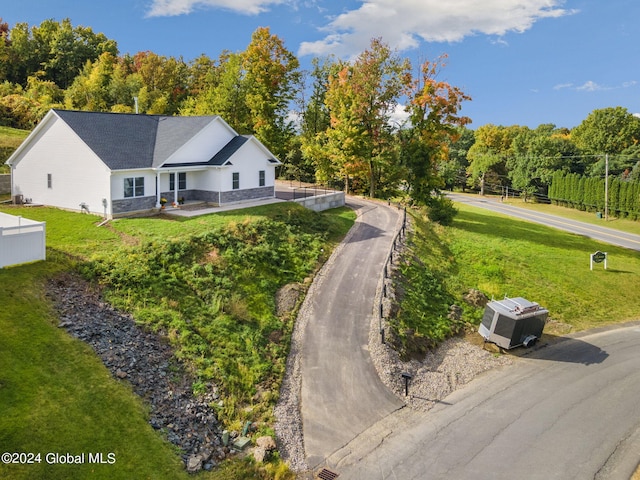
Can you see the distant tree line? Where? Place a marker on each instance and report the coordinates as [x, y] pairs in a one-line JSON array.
[[336, 123]]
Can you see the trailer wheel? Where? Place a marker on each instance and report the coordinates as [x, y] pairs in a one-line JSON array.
[[530, 341]]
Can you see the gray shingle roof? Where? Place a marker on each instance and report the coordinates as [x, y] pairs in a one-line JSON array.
[[128, 141], [173, 132], [228, 150]]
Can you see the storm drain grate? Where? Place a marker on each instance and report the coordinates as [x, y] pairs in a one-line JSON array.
[[325, 474]]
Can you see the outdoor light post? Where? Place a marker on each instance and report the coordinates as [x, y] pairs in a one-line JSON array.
[[407, 377]]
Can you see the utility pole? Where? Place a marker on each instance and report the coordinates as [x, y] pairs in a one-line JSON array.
[[606, 187]]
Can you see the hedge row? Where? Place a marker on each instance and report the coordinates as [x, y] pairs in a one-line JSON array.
[[588, 193]]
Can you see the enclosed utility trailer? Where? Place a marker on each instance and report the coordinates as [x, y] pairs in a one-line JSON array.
[[512, 322]]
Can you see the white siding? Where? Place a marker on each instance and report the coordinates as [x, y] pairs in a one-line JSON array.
[[117, 182], [77, 174], [204, 145], [208, 180], [248, 161]]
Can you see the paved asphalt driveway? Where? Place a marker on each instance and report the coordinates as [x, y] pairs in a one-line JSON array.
[[341, 393], [568, 410]]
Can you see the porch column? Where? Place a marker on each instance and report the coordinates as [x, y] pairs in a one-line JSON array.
[[158, 189], [176, 185]]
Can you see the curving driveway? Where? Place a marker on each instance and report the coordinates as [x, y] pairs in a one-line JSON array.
[[568, 410], [341, 393]]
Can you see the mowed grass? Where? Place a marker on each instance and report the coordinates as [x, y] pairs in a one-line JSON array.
[[504, 256], [57, 397], [623, 224]]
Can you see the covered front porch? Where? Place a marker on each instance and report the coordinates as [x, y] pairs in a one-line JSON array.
[[182, 185]]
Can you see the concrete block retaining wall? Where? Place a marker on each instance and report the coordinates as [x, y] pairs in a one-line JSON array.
[[323, 202]]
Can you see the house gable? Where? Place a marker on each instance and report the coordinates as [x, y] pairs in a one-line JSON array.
[[182, 140], [55, 167], [120, 140]]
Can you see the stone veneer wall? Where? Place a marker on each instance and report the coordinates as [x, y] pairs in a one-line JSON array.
[[249, 194], [133, 205], [141, 204]]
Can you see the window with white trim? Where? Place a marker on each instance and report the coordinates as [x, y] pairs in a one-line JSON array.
[[49, 180], [134, 187], [236, 181], [182, 181], [261, 178]]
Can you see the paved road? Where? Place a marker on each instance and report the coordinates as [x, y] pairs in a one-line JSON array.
[[567, 411], [341, 393], [604, 234]]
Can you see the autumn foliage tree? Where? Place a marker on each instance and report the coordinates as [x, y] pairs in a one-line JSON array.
[[435, 122], [361, 97]]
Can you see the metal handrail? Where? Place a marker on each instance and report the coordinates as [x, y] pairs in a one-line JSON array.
[[402, 232]]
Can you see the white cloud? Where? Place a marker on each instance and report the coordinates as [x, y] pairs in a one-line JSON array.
[[590, 86], [399, 117], [563, 86], [170, 8], [403, 23]]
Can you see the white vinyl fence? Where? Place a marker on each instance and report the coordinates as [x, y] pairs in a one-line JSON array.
[[21, 240]]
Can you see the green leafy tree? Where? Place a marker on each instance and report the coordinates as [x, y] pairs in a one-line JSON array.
[[5, 46], [361, 98], [90, 90], [315, 122], [164, 83], [224, 93], [271, 77], [488, 155], [606, 131], [55, 51], [454, 169], [536, 155]]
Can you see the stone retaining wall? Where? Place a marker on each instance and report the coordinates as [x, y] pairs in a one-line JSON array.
[[5, 183]]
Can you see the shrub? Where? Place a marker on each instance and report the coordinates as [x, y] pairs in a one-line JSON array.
[[441, 210]]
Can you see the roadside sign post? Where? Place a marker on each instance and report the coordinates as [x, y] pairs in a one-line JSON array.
[[598, 257]]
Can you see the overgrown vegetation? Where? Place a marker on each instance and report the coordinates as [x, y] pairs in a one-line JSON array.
[[212, 294], [421, 283], [207, 282]]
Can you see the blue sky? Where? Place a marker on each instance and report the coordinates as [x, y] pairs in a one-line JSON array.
[[524, 62]]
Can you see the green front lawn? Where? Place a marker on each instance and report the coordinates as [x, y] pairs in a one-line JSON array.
[[55, 394], [504, 256]]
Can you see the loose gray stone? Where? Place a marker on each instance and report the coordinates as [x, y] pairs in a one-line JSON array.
[[145, 360]]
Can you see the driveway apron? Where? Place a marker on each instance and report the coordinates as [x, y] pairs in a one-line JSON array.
[[341, 393]]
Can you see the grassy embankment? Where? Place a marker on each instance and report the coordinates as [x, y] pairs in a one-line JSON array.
[[10, 139], [207, 282], [502, 256]]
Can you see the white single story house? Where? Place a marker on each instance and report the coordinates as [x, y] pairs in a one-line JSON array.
[[116, 164]]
